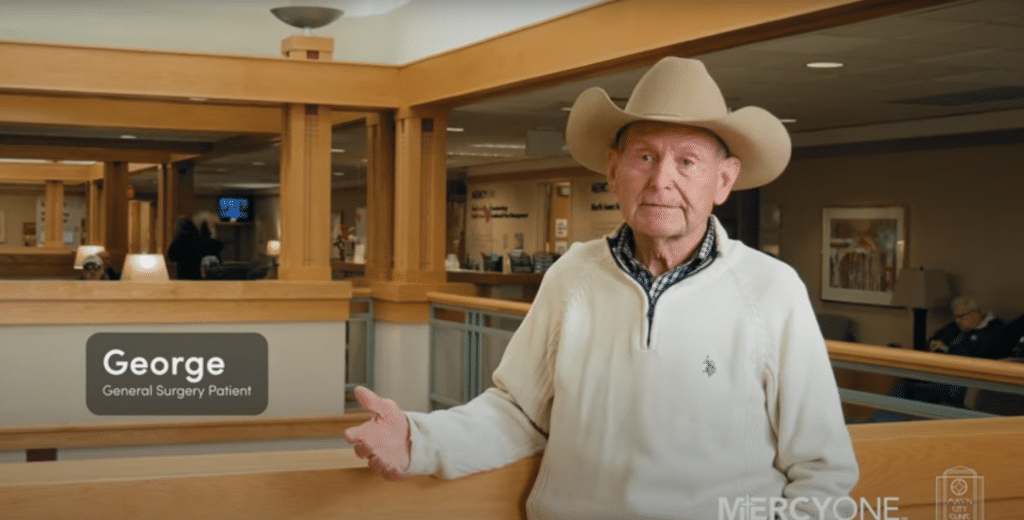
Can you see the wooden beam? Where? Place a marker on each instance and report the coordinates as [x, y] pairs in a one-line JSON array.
[[68, 69], [42, 172], [617, 35], [59, 152], [138, 114]]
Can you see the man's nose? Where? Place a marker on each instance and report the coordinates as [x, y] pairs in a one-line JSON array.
[[664, 174]]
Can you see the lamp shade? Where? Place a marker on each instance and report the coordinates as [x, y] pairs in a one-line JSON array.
[[920, 288], [144, 268], [273, 247], [85, 252]]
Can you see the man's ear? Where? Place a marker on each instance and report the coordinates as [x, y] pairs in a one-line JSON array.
[[612, 161], [728, 172]]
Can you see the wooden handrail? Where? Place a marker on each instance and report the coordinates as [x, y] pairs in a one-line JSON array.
[[485, 304], [65, 436], [960, 366], [901, 460]]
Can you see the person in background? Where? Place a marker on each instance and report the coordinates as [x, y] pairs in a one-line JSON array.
[[92, 269], [974, 332], [209, 246], [664, 368], [186, 250]]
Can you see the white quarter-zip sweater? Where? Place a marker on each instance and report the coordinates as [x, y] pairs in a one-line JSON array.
[[733, 395]]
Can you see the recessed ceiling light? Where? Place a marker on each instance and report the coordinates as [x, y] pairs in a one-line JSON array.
[[566, 109], [788, 120], [456, 129], [339, 174], [127, 136], [337, 150], [257, 163], [199, 99], [825, 65]]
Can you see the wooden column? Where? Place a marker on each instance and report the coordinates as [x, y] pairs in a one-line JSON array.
[[183, 194], [306, 177], [115, 218], [54, 214], [94, 217], [420, 187], [166, 209], [380, 196]]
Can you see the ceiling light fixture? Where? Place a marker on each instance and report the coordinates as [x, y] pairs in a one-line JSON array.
[[787, 120], [825, 65], [337, 150], [456, 129], [127, 136], [197, 99], [257, 163], [306, 17]]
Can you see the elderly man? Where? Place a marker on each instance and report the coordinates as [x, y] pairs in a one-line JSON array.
[[974, 332], [665, 371]]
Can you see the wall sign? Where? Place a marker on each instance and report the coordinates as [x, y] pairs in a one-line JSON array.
[[176, 373]]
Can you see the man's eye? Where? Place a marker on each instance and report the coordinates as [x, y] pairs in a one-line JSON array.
[[646, 157]]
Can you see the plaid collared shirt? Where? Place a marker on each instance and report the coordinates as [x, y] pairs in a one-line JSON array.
[[621, 245]]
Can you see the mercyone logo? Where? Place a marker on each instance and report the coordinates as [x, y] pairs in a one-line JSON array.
[[804, 508]]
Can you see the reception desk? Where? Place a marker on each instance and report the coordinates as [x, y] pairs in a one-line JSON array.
[[45, 327], [506, 286], [37, 262]]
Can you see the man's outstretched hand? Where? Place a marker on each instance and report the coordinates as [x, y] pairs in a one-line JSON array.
[[384, 440]]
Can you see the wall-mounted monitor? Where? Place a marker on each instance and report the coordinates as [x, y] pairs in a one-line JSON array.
[[234, 209]]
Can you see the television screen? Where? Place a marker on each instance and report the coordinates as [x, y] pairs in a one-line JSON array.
[[234, 209]]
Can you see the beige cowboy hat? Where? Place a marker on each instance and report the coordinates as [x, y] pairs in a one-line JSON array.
[[680, 90]]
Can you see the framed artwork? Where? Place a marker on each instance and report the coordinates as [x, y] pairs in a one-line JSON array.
[[863, 249]]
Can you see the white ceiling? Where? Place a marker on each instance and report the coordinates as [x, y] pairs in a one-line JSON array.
[[955, 68]]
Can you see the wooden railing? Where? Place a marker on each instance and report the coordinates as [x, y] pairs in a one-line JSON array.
[[901, 461], [124, 434]]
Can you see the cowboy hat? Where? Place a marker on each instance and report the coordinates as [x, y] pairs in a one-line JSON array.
[[680, 90]]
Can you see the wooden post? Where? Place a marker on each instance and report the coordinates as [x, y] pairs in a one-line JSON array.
[[115, 218], [306, 177], [420, 187], [166, 208], [380, 196], [54, 214], [94, 218]]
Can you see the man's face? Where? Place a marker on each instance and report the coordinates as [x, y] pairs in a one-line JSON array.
[[668, 178], [967, 319]]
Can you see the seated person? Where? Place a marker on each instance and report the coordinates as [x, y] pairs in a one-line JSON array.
[[92, 269], [974, 332]]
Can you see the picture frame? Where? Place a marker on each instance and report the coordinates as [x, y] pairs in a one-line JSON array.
[[863, 250]]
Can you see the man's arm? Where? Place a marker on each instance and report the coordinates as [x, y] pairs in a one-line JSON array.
[[814, 447], [502, 425]]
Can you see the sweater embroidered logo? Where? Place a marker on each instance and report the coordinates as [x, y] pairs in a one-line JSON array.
[[709, 366]]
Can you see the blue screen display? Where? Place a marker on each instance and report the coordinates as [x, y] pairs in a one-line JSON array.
[[234, 209]]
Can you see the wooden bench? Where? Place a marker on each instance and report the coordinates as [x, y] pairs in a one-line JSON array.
[[897, 460]]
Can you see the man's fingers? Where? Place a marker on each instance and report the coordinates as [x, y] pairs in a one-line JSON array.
[[370, 401]]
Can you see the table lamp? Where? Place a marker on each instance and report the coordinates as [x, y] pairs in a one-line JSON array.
[[144, 268], [921, 289]]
